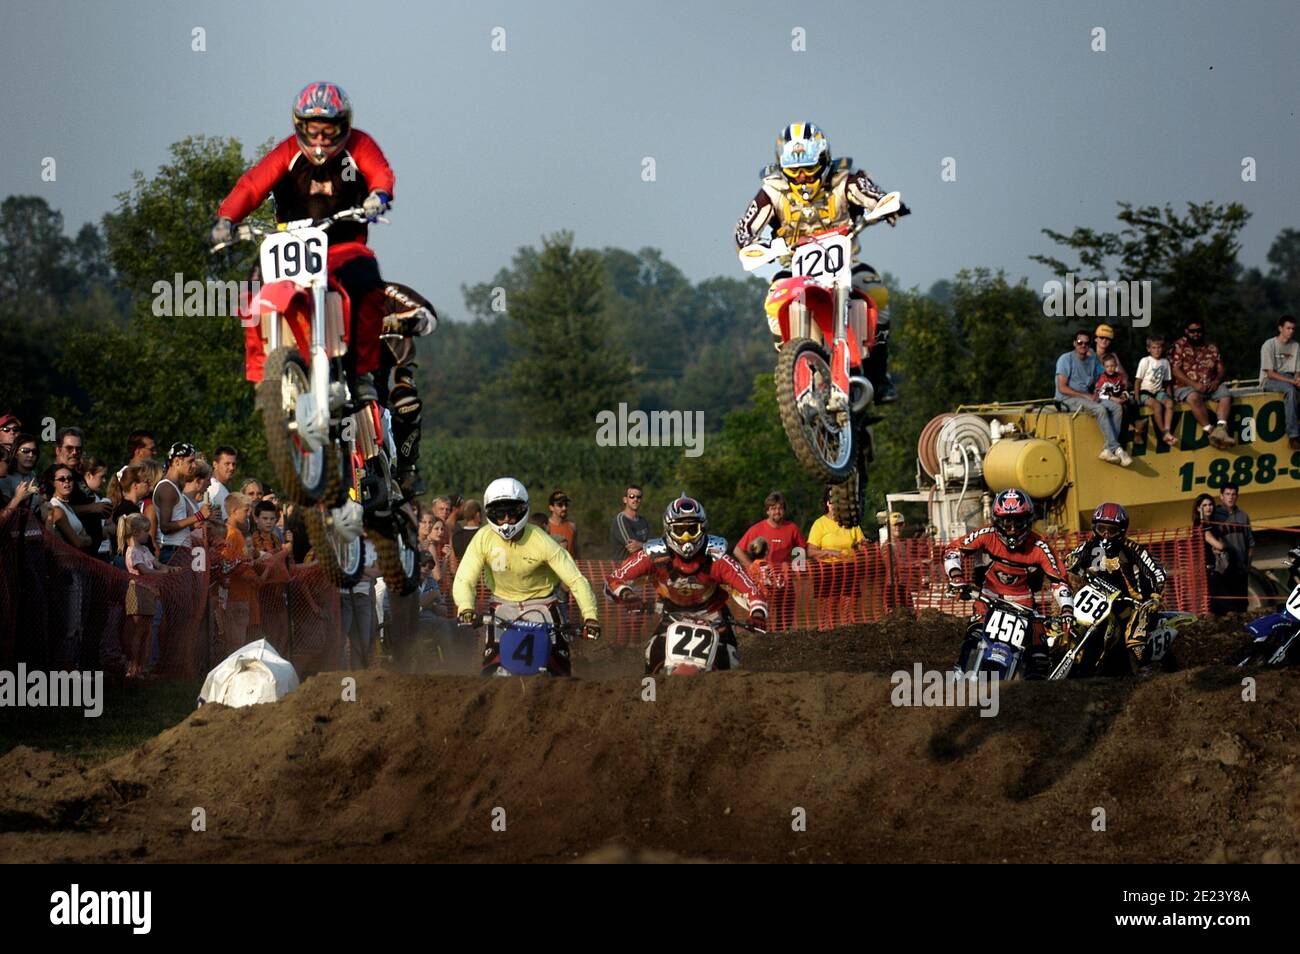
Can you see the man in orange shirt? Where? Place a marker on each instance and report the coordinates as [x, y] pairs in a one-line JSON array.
[[559, 526]]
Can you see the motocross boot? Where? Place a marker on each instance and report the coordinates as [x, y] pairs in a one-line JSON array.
[[406, 406], [877, 366]]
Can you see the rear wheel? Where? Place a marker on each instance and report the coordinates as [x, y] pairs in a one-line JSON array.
[[822, 440], [343, 563], [306, 475], [398, 563]]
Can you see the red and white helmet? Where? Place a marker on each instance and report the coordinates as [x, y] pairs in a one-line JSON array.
[[322, 103], [684, 524], [1013, 517]]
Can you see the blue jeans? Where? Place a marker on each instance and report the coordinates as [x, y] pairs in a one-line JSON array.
[[1108, 415], [1292, 393]]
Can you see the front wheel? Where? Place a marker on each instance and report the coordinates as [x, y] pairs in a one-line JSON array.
[[343, 563], [307, 476], [822, 438]]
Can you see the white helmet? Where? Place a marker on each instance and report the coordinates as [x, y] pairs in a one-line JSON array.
[[505, 504]]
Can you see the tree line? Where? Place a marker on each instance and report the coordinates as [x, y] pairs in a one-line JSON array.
[[562, 333]]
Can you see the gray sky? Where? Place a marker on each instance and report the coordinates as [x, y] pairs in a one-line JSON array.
[[493, 149]]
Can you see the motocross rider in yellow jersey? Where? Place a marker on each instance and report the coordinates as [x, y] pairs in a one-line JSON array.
[[522, 566], [805, 192]]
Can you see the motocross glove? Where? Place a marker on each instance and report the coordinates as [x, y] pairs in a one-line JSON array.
[[591, 629], [376, 204], [630, 598], [758, 619], [468, 617], [223, 232]]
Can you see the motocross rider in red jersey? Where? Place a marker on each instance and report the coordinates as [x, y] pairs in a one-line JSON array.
[[327, 166], [691, 574], [1018, 561], [805, 192]]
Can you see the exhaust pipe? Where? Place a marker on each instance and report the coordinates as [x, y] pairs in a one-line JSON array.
[[861, 393]]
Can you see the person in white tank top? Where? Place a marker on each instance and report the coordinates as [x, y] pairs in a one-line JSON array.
[[176, 520]]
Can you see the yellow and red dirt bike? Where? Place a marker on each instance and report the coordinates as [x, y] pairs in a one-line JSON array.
[[333, 454], [826, 331]]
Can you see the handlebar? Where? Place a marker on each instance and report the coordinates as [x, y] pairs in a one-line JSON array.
[[246, 233], [657, 609], [969, 591]]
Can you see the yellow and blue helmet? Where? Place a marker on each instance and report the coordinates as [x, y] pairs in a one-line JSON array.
[[804, 155]]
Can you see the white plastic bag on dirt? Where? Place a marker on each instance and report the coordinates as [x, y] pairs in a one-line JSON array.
[[250, 675]]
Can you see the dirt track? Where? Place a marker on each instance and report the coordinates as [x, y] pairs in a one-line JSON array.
[[713, 769]]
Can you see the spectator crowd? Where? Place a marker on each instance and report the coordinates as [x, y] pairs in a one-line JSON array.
[[156, 504]]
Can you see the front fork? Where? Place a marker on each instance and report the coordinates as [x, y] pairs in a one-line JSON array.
[[839, 397]]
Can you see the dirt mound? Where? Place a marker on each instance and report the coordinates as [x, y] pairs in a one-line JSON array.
[[725, 767]]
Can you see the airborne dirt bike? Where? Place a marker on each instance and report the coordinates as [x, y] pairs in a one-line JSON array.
[[333, 454], [1004, 631], [826, 333], [1100, 650]]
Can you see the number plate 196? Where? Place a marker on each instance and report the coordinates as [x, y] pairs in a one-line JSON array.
[[298, 256]]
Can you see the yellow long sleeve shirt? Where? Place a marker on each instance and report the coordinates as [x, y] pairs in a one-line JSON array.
[[526, 568]]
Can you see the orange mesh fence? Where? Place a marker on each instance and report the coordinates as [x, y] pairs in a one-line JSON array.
[[63, 609]]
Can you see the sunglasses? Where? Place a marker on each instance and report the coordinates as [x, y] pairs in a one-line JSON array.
[[71, 448], [10, 428], [633, 496], [1195, 331], [1081, 341], [65, 479], [26, 450]]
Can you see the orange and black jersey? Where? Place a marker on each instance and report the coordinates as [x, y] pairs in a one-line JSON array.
[[1013, 574], [1131, 568]]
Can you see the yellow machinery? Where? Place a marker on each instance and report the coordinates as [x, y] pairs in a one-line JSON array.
[[965, 457]]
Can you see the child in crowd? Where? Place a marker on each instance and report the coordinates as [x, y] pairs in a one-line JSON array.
[[1113, 386], [265, 539], [141, 597], [1155, 377], [242, 616]]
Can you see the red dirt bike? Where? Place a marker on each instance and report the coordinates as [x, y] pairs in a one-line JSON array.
[[826, 331], [333, 454]]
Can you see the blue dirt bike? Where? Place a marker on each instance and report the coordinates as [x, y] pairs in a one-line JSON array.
[[1273, 639]]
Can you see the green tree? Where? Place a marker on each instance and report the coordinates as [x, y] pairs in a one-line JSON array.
[[182, 377], [1191, 261], [745, 462], [567, 366]]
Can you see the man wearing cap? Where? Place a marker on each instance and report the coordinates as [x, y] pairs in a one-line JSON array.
[[10, 428], [558, 524]]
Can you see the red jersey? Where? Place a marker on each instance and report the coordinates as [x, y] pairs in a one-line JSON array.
[[698, 584], [304, 190], [780, 540], [1014, 575]]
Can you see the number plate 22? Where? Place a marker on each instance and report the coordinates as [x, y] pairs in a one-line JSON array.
[[690, 644]]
